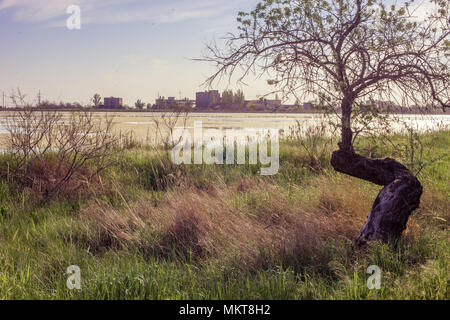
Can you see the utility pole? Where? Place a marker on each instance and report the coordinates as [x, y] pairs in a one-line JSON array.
[[3, 95], [39, 98]]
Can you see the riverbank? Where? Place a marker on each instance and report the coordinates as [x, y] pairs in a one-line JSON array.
[[151, 230]]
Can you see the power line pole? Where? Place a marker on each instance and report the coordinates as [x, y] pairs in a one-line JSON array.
[[3, 95], [39, 98]]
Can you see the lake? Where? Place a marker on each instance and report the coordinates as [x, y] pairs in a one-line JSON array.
[[142, 124]]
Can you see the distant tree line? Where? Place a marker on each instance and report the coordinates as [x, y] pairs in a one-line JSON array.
[[229, 101]]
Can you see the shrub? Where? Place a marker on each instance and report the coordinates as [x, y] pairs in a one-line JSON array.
[[57, 154], [315, 141]]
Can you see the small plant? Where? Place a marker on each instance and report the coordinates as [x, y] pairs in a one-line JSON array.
[[166, 125], [128, 141], [315, 140]]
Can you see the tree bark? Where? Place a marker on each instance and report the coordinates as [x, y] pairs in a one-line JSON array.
[[346, 130], [396, 201]]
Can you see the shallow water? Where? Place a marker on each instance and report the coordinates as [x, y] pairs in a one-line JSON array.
[[142, 124]]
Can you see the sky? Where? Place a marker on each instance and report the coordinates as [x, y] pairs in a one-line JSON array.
[[134, 49]]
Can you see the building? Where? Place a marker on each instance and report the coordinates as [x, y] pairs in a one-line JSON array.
[[264, 103], [171, 102], [113, 103], [272, 103], [206, 99], [386, 105], [382, 105]]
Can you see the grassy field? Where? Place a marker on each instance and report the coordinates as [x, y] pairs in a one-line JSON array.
[[150, 230]]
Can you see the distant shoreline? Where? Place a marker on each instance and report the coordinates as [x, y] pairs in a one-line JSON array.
[[210, 111]]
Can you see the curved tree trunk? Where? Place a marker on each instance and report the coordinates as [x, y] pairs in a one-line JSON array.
[[396, 201]]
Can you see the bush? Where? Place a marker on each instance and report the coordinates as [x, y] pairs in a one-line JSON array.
[[316, 141], [57, 154]]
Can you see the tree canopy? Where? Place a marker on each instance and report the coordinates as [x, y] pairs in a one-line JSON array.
[[343, 53]]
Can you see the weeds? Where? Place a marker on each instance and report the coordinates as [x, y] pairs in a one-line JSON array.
[[315, 140]]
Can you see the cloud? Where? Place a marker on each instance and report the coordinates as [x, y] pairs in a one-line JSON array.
[[115, 11], [34, 10], [53, 12]]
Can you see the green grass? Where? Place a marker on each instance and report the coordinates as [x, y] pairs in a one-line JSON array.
[[153, 231]]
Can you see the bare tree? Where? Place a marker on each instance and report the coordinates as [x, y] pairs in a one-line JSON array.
[[18, 98], [96, 100], [55, 153], [343, 53], [139, 104]]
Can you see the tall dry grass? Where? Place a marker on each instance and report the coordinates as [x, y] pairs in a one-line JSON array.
[[249, 224]]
